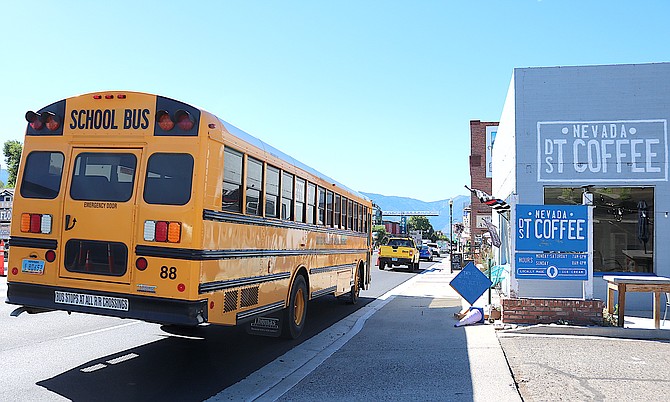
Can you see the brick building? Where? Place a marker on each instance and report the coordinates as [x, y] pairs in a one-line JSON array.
[[482, 136]]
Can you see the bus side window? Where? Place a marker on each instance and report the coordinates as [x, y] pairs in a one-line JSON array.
[[42, 175], [311, 203], [287, 197], [232, 180], [271, 192], [254, 187]]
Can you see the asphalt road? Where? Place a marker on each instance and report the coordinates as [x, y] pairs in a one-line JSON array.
[[56, 356]]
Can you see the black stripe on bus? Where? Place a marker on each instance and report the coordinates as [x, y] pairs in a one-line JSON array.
[[322, 270], [49, 244], [245, 315], [324, 292], [227, 217], [202, 255], [234, 283]]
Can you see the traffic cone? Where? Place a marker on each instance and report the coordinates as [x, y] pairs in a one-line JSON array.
[[2, 258], [474, 316]]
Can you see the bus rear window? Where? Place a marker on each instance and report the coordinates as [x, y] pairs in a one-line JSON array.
[[169, 179], [42, 175], [103, 177]]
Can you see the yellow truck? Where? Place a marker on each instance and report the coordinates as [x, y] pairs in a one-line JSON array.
[[399, 251]]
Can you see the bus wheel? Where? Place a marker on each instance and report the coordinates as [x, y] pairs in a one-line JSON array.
[[296, 312], [355, 288]]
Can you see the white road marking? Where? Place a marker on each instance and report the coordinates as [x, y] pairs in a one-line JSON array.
[[97, 331]]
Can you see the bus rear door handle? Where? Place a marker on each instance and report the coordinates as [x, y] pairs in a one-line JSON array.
[[67, 222]]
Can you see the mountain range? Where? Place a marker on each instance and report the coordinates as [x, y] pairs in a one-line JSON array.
[[440, 222]]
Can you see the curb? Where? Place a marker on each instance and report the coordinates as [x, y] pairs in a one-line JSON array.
[[606, 332]]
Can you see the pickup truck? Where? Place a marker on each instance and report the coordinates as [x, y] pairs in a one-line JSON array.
[[399, 251]]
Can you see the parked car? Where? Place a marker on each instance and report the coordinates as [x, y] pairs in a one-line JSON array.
[[425, 253], [435, 249]]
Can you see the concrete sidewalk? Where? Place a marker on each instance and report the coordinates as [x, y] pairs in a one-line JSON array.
[[403, 346]]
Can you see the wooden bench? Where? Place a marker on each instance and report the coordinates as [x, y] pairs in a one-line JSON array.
[[623, 284]]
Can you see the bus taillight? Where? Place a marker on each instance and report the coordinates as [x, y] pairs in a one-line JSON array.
[[50, 256], [35, 223], [141, 263], [162, 231]]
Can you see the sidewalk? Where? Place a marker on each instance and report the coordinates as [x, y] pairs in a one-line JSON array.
[[401, 347]]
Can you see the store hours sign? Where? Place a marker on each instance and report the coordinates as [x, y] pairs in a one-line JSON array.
[[555, 228]]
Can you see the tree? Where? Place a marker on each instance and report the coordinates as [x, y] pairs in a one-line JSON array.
[[378, 233], [12, 150], [423, 224]]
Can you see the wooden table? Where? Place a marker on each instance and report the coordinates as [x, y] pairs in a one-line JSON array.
[[623, 284]]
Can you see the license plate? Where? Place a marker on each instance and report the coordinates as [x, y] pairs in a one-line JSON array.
[[394, 259], [32, 267]]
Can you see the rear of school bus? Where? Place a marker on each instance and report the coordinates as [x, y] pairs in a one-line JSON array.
[[105, 219]]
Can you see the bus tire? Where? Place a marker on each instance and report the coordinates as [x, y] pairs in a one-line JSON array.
[[356, 287], [296, 312]]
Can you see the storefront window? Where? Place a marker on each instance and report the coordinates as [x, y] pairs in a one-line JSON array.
[[623, 227]]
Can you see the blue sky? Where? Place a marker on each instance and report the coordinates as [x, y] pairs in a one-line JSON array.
[[375, 94]]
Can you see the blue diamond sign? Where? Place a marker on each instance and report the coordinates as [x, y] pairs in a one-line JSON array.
[[471, 283]]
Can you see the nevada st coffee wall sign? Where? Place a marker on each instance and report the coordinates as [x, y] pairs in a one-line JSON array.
[[552, 228], [602, 151]]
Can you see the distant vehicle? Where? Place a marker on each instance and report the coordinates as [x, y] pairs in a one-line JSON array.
[[399, 251], [425, 253], [434, 248]]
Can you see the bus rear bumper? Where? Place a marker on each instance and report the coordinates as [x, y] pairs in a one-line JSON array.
[[40, 298]]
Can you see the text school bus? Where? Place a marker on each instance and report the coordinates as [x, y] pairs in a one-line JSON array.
[[139, 206]]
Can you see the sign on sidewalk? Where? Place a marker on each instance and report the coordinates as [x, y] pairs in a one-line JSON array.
[[470, 283]]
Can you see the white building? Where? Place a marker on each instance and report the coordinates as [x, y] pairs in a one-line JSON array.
[[603, 126]]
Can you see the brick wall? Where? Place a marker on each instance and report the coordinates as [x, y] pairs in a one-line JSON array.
[[478, 177], [547, 311]]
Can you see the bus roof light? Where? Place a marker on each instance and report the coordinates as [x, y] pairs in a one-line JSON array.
[[184, 120], [109, 96], [164, 121], [121, 96], [50, 120], [34, 120], [97, 96]]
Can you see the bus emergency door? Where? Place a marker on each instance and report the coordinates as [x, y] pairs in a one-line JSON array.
[[99, 214]]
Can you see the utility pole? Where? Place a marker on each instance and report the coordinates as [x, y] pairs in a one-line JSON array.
[[451, 227]]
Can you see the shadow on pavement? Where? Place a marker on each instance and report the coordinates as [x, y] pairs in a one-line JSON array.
[[188, 365]]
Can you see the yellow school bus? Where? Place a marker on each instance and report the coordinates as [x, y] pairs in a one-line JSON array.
[[140, 206]]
